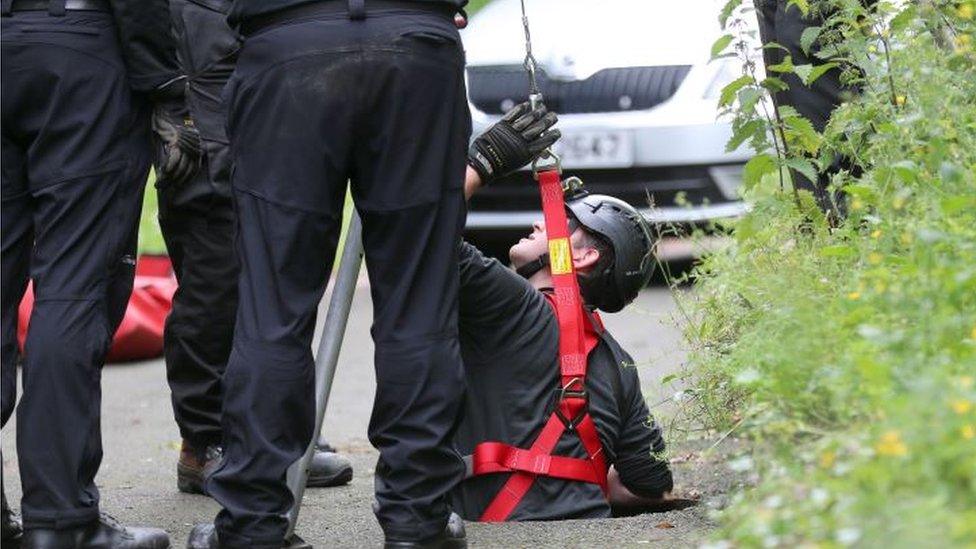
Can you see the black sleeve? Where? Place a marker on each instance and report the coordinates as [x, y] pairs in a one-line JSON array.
[[498, 310], [640, 442], [148, 45]]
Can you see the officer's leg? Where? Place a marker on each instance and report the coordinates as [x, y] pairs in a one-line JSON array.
[[72, 101], [17, 241], [784, 24], [289, 156], [412, 207], [198, 228]]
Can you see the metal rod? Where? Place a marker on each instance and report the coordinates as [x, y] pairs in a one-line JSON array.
[[328, 353]]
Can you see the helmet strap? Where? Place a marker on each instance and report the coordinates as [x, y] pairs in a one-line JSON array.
[[529, 269]]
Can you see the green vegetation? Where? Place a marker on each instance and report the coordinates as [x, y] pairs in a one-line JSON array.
[[150, 236], [847, 354]]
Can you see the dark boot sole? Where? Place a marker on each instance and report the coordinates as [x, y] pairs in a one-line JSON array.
[[189, 481], [341, 477]]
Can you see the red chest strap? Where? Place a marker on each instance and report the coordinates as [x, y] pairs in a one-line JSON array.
[[577, 337]]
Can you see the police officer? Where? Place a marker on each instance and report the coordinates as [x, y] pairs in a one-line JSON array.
[[78, 77], [325, 92], [196, 215], [782, 22]]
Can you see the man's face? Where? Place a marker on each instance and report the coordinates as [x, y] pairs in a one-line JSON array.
[[531, 247], [536, 243]]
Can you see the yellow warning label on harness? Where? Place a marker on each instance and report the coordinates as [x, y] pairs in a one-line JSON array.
[[560, 260]]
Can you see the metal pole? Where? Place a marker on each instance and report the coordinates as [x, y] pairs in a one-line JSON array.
[[328, 355]]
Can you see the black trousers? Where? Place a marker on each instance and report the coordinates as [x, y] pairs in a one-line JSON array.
[[784, 24], [198, 224], [74, 162], [315, 103]]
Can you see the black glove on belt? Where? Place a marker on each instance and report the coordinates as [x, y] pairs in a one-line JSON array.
[[517, 139], [178, 139]]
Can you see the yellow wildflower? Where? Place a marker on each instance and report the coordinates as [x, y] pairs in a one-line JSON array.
[[876, 234], [964, 42], [854, 296], [966, 11], [827, 459], [968, 432], [899, 100], [857, 204], [874, 258], [961, 406], [898, 203], [891, 445]]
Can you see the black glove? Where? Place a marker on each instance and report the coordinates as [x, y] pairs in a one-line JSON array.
[[517, 139], [178, 141]]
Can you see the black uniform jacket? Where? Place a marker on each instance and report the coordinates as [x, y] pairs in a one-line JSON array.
[[148, 45], [509, 343], [244, 9]]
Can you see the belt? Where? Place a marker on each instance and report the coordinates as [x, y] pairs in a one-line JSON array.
[[70, 5], [353, 8]]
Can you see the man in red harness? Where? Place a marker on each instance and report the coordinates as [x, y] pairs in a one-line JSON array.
[[550, 436]]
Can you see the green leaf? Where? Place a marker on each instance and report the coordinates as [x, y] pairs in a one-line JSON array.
[[956, 204], [774, 84], [809, 36], [756, 168], [748, 98], [903, 19], [861, 191], [785, 67], [817, 72], [727, 9], [745, 132], [906, 171], [730, 89], [803, 166], [801, 133], [837, 250], [803, 71], [720, 44]]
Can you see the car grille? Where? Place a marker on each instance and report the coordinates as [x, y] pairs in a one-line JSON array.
[[662, 186], [495, 89]]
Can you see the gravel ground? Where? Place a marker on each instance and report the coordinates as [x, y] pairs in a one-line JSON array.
[[137, 477]]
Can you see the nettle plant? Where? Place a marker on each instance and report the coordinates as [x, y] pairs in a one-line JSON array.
[[844, 346]]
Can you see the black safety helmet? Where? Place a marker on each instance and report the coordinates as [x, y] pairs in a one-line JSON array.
[[627, 231]]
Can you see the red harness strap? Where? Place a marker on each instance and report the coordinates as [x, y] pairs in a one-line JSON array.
[[577, 337]]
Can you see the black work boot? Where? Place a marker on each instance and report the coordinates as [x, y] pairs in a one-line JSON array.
[[10, 523], [328, 468], [453, 537], [195, 465], [105, 533]]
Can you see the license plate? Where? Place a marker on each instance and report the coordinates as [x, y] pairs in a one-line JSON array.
[[596, 149]]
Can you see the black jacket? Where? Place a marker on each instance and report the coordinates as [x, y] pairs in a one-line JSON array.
[[244, 9], [148, 46]]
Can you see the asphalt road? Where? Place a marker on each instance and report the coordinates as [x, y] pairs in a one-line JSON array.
[[137, 477]]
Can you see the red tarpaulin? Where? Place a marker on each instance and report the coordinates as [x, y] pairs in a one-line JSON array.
[[140, 335]]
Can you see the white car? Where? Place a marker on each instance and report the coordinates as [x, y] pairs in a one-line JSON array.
[[636, 97]]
